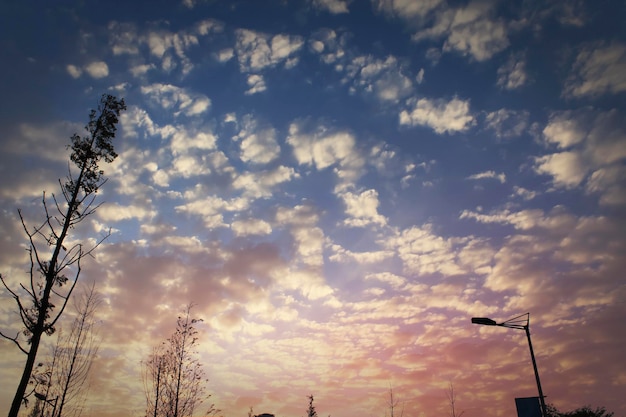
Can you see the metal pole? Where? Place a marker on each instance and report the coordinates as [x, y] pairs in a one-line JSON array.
[[544, 411]]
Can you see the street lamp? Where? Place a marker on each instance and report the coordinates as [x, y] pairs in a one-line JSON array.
[[521, 322]]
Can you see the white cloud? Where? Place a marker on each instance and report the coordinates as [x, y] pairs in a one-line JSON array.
[[329, 45], [598, 69], [74, 71], [423, 252], [258, 143], [386, 79], [260, 184], [507, 123], [512, 74], [114, 212], [610, 183], [322, 149], [566, 168], [256, 83], [257, 51], [332, 6], [594, 141], [470, 30], [179, 99], [441, 116], [362, 209], [184, 141], [488, 174], [407, 9], [251, 227], [225, 55], [342, 254], [97, 69], [564, 130]]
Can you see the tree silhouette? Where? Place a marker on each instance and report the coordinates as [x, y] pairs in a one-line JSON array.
[[585, 411], [310, 412], [50, 260], [173, 376]]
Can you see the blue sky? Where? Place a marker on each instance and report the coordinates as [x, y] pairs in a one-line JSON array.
[[339, 186]]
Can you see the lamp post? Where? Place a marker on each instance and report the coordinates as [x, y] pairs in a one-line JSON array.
[[521, 322]]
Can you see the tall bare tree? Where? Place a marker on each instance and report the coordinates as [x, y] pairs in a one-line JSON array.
[[50, 260], [173, 376]]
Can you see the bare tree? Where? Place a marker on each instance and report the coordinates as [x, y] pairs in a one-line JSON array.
[[50, 260], [74, 355], [173, 376], [452, 399], [393, 403]]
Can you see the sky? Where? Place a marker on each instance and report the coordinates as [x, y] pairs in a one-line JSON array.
[[338, 186]]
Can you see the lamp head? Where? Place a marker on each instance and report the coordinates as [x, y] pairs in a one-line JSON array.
[[484, 321]]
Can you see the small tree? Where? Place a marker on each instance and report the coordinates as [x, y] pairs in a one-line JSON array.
[[310, 412], [393, 404], [173, 376], [585, 411], [36, 301], [452, 399]]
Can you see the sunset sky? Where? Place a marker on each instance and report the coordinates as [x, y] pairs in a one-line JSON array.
[[338, 186]]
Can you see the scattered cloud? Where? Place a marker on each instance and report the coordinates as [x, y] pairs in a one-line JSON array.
[[362, 209], [323, 148], [258, 143], [513, 75], [332, 6], [256, 51], [471, 30], [441, 116], [170, 97], [598, 69], [506, 123]]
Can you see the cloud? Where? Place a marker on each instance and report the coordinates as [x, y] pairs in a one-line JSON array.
[[423, 252], [598, 69], [324, 148], [249, 227], [471, 30], [362, 209], [332, 6], [97, 69], [441, 116], [342, 254], [591, 140], [564, 130], [260, 184], [512, 75], [257, 51], [258, 143], [386, 79], [407, 9], [256, 83], [74, 71], [567, 169], [507, 123], [183, 101], [169, 48], [116, 212], [488, 174]]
